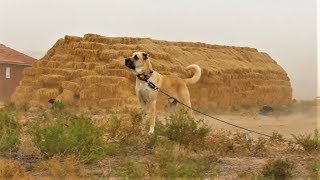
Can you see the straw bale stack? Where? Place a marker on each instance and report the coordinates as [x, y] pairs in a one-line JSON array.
[[89, 72]]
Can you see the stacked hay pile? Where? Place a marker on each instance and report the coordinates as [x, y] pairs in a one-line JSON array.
[[90, 72]]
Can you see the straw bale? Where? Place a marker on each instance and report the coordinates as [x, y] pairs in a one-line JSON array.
[[88, 103], [115, 72], [29, 71], [71, 86], [82, 72], [67, 97], [53, 64], [19, 98], [93, 69], [51, 80], [107, 54], [44, 94], [98, 91], [62, 57], [24, 89], [69, 38], [91, 45], [119, 47], [111, 103], [28, 82], [40, 63], [62, 72], [86, 53], [96, 79]]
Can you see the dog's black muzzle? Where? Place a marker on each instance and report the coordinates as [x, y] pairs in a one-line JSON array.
[[129, 63]]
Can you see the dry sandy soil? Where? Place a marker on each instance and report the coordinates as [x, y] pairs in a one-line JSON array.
[[297, 123]]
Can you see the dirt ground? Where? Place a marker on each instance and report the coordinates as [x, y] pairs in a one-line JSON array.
[[296, 123]]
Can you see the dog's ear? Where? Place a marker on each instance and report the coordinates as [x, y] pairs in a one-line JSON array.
[[145, 56]]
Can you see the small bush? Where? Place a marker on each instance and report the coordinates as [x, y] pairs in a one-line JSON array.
[[314, 168], [275, 136], [243, 140], [79, 136], [184, 129], [307, 142], [169, 165], [113, 126], [133, 170], [58, 105], [10, 132], [259, 147], [278, 169]]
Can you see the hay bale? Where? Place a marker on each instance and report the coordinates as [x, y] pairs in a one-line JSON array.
[[96, 79], [53, 80], [42, 95], [29, 71], [71, 86], [92, 68], [68, 98], [81, 73]]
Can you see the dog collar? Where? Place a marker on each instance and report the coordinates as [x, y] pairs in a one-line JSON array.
[[145, 77]]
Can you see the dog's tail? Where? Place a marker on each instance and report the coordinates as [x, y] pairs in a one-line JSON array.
[[196, 76]]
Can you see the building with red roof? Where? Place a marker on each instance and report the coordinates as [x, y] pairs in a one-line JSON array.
[[12, 64]]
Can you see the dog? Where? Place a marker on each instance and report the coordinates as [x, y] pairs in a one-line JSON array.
[[139, 63]]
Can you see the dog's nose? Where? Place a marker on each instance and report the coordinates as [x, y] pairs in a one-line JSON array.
[[127, 60]]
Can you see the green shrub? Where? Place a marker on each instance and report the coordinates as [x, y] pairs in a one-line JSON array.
[[184, 129], [275, 136], [259, 147], [113, 126], [10, 132], [58, 105], [307, 142], [170, 166], [278, 169], [133, 170], [243, 140], [314, 168], [75, 135]]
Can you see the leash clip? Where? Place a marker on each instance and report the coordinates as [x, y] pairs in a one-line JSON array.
[[152, 86]]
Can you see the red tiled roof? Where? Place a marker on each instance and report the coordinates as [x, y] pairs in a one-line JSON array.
[[12, 56]]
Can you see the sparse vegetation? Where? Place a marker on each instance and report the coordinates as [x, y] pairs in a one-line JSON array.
[[309, 142], [278, 169], [170, 164], [77, 146], [58, 105], [275, 136], [314, 168], [184, 129], [77, 134], [10, 132]]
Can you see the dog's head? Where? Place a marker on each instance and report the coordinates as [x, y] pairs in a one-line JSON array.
[[139, 62]]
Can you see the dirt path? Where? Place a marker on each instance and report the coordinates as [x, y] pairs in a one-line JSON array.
[[297, 123]]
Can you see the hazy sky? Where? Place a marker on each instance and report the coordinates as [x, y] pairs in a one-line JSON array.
[[285, 29]]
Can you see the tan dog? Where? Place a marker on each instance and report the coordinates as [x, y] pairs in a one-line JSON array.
[[176, 87]]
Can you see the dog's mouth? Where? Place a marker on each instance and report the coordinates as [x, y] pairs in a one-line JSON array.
[[129, 63]]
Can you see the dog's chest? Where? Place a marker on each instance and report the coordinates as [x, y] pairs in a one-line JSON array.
[[145, 93]]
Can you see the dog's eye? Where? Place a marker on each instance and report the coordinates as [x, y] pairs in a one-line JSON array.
[[135, 57]]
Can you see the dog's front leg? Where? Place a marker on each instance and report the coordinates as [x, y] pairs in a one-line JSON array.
[[152, 115]]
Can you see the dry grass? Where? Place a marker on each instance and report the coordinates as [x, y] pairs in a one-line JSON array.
[[10, 169], [62, 167]]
